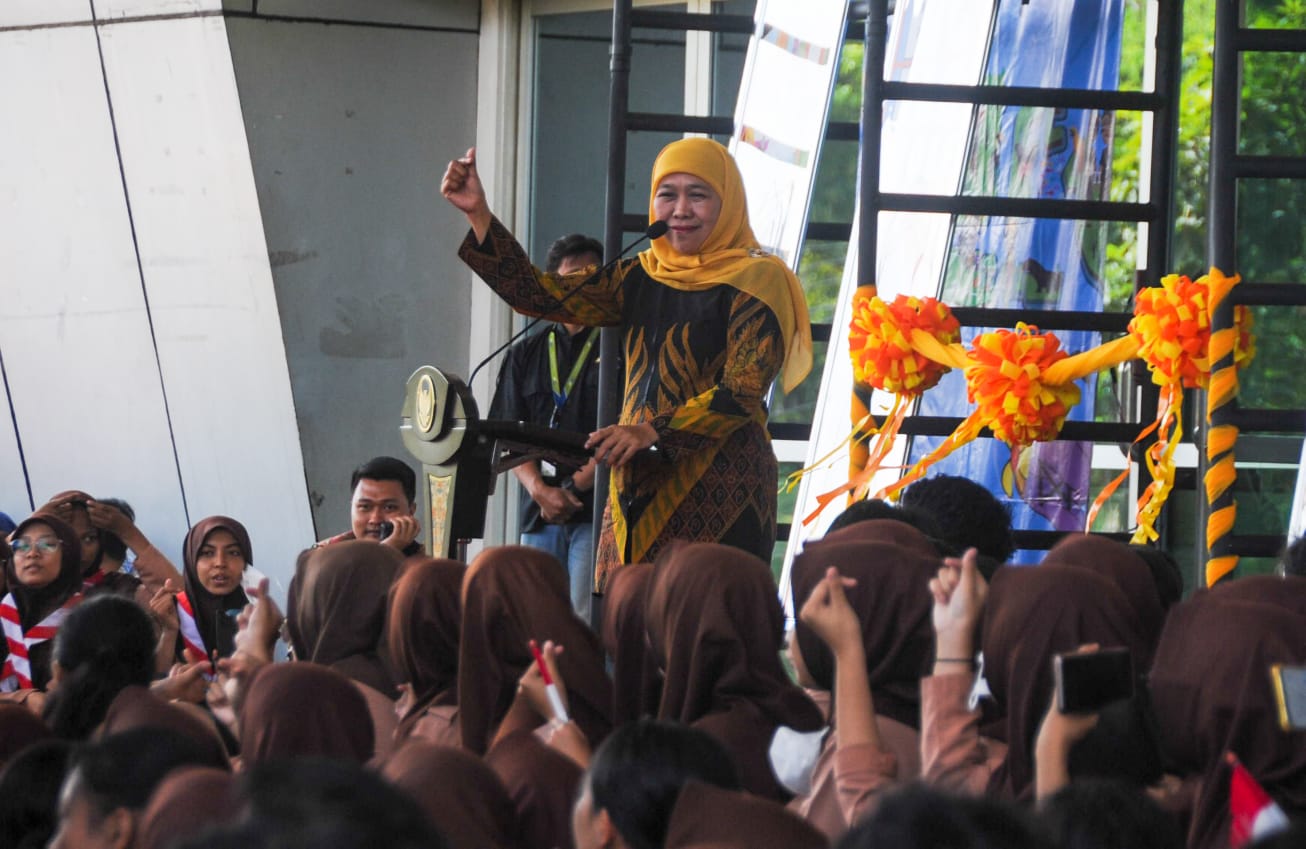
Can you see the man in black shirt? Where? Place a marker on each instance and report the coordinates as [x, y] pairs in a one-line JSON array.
[[551, 378]]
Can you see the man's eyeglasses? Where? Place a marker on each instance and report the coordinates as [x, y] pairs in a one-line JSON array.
[[44, 545]]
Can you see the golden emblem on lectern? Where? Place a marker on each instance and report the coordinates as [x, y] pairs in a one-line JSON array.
[[425, 404]]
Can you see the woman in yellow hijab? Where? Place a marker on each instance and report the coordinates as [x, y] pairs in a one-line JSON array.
[[708, 321]]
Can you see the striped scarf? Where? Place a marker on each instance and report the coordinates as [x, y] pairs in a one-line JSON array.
[[190, 631], [17, 671]]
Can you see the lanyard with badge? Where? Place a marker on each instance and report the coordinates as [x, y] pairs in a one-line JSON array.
[[561, 391]]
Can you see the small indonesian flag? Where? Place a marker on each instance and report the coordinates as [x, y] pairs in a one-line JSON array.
[[1252, 812]]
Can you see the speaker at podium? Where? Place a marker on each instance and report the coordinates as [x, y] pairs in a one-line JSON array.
[[462, 455]]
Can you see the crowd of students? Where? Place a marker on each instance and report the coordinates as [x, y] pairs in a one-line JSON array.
[[431, 703]]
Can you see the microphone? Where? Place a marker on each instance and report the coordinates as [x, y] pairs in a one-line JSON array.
[[656, 230]]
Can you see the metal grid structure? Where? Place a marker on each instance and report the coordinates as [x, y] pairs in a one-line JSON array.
[[868, 21], [1233, 42]]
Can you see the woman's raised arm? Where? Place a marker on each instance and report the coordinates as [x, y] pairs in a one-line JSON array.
[[462, 187]]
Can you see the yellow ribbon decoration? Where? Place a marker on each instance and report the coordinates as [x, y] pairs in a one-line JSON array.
[[1023, 385]]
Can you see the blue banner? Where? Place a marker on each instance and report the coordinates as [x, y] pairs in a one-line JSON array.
[[1048, 264]]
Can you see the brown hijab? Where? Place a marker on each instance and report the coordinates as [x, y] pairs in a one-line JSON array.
[[304, 710], [337, 608], [715, 628], [887, 531], [1213, 694], [893, 603], [710, 817], [186, 803], [462, 796], [215, 615], [1116, 562], [542, 784], [137, 707], [511, 595], [1286, 591], [1032, 614], [636, 685], [425, 615]]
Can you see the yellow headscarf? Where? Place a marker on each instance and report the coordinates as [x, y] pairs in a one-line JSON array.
[[731, 254]]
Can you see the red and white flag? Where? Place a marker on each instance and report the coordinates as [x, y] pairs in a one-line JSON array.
[[190, 632], [1252, 812]]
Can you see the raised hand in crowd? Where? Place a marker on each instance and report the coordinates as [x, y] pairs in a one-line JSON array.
[[566, 737], [830, 616], [959, 592], [111, 519], [828, 613], [163, 608], [1056, 737], [258, 627]]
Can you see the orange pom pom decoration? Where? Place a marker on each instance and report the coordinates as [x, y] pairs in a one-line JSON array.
[[879, 339], [1005, 381], [1172, 323]]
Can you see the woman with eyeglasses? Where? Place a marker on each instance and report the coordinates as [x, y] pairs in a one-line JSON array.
[[43, 579]]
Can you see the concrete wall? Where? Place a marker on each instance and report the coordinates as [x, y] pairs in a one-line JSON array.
[[350, 125], [139, 331]]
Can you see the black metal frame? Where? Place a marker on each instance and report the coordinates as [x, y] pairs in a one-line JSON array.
[[1162, 103], [872, 30], [1227, 167]]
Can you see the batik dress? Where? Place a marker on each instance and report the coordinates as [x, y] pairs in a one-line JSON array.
[[698, 364]]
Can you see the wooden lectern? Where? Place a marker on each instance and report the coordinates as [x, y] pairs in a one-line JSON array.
[[462, 455]]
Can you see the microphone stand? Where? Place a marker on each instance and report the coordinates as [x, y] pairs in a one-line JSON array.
[[656, 230]]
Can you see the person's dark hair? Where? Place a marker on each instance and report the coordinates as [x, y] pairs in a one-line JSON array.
[[29, 794], [105, 644], [1293, 560], [967, 514], [314, 803], [113, 547], [875, 508], [638, 771], [387, 469], [919, 817], [576, 244], [1165, 571], [1124, 745], [1096, 814], [123, 769]]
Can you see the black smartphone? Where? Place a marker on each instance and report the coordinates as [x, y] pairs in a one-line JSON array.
[[387, 529], [1290, 695], [1090, 681]]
